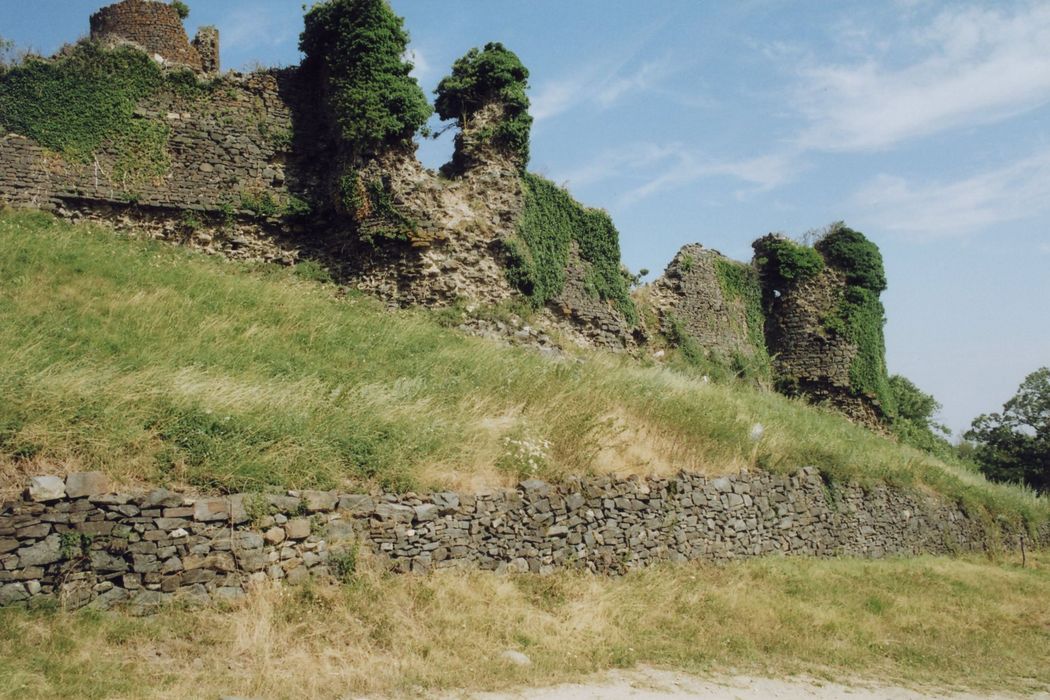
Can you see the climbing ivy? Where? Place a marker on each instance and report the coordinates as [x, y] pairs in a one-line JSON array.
[[84, 101], [490, 75], [860, 315], [539, 253], [740, 282]]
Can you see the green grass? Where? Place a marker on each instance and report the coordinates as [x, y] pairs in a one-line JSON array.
[[947, 623], [156, 364]]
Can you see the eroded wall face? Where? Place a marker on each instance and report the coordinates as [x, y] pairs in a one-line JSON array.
[[74, 540]]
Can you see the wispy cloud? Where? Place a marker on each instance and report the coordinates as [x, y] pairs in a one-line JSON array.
[[761, 173], [968, 66], [604, 81], [1013, 192]]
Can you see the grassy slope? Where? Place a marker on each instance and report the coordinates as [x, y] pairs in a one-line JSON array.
[[157, 364], [951, 623]]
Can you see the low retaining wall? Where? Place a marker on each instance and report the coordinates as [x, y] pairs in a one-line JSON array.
[[75, 541]]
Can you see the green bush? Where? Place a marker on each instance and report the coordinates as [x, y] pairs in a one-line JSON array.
[[857, 257], [357, 49], [914, 423], [492, 75], [539, 255], [781, 262], [181, 8]]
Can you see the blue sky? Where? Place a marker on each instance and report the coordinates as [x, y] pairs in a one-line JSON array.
[[926, 125]]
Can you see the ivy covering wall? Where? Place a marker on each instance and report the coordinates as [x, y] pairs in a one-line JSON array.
[[539, 253], [84, 101], [860, 316]]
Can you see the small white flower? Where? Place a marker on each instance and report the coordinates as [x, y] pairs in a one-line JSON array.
[[756, 432]]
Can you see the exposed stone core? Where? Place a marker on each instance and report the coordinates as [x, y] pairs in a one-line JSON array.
[[690, 293], [155, 27]]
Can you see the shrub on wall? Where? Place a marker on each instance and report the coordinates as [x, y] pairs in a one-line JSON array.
[[358, 47], [781, 261], [84, 101], [539, 254], [181, 8], [493, 74]]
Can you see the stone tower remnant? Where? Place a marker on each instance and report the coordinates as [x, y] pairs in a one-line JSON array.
[[157, 28]]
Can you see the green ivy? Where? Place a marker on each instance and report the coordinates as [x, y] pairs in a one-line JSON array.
[[356, 49], [740, 282], [539, 254], [84, 101], [859, 318], [482, 77], [781, 261]]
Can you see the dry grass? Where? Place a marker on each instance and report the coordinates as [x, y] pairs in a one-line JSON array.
[[948, 623]]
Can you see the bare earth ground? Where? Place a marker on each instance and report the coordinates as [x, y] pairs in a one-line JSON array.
[[653, 684]]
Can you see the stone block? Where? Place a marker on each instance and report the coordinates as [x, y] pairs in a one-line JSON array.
[[392, 512], [426, 512], [275, 535], [211, 509], [43, 489], [297, 528], [86, 484], [357, 504], [42, 553], [320, 501]]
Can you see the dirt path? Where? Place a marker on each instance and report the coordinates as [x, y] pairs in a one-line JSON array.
[[650, 684]]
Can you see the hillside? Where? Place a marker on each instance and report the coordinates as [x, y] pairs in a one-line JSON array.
[[162, 366]]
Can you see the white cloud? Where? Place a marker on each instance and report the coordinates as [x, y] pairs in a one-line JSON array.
[[968, 66], [604, 81], [420, 67], [1013, 192]]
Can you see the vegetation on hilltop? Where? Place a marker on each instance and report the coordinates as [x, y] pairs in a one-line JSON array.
[[492, 75], [153, 363], [968, 622], [356, 48]]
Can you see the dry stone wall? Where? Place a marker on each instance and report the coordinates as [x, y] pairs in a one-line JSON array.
[[75, 541]]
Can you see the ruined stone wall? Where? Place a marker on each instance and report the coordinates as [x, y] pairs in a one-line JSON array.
[[153, 26], [207, 45], [807, 358], [227, 149], [689, 292], [76, 541]]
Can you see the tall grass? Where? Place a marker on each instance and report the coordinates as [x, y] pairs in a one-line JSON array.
[[945, 622], [157, 364]]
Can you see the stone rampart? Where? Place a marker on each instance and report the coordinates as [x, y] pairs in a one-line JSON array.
[[228, 152], [75, 541]]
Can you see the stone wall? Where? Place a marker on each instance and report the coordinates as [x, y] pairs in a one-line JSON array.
[[689, 292], [232, 147], [207, 45], [154, 26], [75, 541]]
